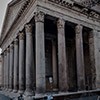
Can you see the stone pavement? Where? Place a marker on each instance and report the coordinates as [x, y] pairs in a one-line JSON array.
[[3, 97]]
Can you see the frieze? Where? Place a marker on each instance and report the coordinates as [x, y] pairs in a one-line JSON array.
[[77, 7], [90, 3], [66, 3]]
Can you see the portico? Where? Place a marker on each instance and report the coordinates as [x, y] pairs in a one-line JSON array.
[[50, 52]]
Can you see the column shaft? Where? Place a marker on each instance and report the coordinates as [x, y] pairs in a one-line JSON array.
[[62, 60], [2, 71], [21, 63], [40, 54], [6, 76], [11, 67], [54, 64], [7, 68], [5, 54], [29, 60], [92, 58], [16, 66], [80, 58]]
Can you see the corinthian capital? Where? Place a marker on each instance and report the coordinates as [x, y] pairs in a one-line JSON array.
[[91, 35], [21, 35], [78, 29], [8, 49], [28, 28], [60, 23], [39, 17], [11, 46], [5, 52], [16, 41]]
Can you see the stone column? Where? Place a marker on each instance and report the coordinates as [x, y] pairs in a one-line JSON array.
[[29, 60], [92, 58], [16, 66], [54, 64], [40, 53], [11, 67], [5, 56], [2, 71], [7, 68], [80, 58], [96, 37], [62, 60], [21, 63]]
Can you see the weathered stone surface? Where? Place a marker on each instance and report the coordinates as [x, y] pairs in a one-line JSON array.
[[80, 58], [92, 59], [21, 63], [62, 59], [16, 66], [97, 56], [40, 54], [54, 63], [7, 68], [29, 65], [29, 61], [11, 67]]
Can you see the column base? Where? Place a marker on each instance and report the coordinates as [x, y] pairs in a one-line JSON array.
[[10, 90], [29, 93], [28, 97], [37, 95], [15, 91], [3, 88], [21, 92], [6, 89]]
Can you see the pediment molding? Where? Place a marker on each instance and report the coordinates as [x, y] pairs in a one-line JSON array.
[[71, 4], [14, 10]]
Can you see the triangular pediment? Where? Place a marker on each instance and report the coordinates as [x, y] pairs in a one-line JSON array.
[[12, 11]]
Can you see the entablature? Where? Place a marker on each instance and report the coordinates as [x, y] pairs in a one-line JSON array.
[[22, 15], [78, 7]]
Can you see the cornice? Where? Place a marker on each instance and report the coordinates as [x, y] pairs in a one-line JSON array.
[[13, 2], [21, 11], [19, 18], [71, 4], [90, 3], [7, 13], [65, 3]]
